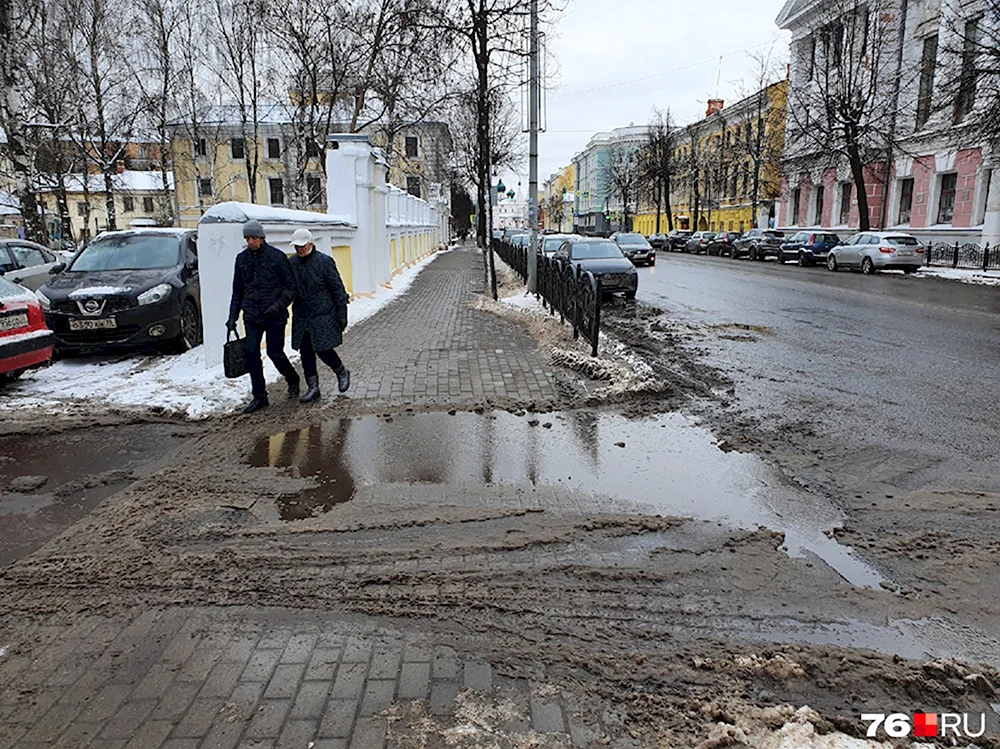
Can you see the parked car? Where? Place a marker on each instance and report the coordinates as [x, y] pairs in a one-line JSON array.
[[658, 241], [722, 243], [698, 243], [875, 251], [27, 264], [25, 342], [519, 240], [677, 239], [549, 244], [127, 288], [758, 244], [807, 247], [635, 247], [604, 259]]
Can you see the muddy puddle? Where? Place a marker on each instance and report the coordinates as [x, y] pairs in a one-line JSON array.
[[49, 482], [664, 464]]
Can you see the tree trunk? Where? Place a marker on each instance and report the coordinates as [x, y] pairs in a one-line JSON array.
[[666, 201], [858, 173]]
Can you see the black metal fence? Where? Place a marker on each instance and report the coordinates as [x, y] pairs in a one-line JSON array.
[[968, 255], [574, 294]]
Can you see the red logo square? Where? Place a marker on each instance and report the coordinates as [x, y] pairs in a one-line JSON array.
[[925, 724]]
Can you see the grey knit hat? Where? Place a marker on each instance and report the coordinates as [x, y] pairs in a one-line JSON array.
[[253, 228]]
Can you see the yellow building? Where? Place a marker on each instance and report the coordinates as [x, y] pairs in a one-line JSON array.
[[139, 197], [557, 200], [213, 162], [716, 161]]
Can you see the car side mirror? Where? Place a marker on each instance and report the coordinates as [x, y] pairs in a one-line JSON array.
[[57, 268]]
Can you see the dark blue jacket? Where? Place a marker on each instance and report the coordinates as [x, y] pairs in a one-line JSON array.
[[320, 307], [263, 286]]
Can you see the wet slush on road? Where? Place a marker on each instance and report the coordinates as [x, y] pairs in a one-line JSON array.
[[665, 464]]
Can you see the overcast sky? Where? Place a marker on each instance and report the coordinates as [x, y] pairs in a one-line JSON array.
[[673, 45]]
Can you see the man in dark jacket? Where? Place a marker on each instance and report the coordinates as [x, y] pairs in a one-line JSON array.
[[263, 287], [319, 314]]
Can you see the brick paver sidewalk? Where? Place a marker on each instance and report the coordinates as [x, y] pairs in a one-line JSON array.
[[429, 347]]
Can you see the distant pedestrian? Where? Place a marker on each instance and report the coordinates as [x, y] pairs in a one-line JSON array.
[[263, 287], [319, 313]]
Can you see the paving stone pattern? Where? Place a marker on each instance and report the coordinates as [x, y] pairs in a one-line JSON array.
[[184, 678], [430, 347]]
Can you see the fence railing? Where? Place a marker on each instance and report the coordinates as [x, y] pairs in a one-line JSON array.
[[574, 294], [968, 255]]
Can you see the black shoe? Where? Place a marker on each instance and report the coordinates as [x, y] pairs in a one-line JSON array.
[[293, 388], [312, 391], [343, 379], [256, 405]]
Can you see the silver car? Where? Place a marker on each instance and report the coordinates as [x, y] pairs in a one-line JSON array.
[[875, 251], [28, 264]]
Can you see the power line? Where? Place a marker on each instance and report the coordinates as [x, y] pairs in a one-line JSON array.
[[661, 74]]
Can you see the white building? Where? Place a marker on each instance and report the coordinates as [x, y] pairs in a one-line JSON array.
[[594, 198]]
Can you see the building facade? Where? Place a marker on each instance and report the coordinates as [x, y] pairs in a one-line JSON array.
[[211, 160], [598, 207], [936, 180], [557, 200]]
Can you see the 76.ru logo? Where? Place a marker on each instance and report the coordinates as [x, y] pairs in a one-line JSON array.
[[899, 725]]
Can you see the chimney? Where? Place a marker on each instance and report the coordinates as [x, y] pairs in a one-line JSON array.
[[120, 166], [714, 107]]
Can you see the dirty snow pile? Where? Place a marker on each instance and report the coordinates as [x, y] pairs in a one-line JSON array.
[[984, 278], [178, 385]]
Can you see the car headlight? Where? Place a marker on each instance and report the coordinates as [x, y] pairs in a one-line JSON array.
[[155, 294], [44, 301]]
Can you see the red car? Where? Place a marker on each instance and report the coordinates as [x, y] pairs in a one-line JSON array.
[[25, 342]]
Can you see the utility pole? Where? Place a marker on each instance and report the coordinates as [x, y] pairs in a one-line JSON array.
[[533, 97]]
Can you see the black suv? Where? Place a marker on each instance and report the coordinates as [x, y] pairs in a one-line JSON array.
[[127, 288], [758, 244]]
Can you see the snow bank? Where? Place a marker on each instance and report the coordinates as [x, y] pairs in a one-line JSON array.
[[986, 278], [178, 385]]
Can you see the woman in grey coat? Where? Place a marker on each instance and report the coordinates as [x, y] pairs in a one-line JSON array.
[[319, 313]]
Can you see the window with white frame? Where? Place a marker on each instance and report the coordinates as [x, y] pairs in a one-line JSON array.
[[845, 203], [905, 200], [276, 187], [946, 200]]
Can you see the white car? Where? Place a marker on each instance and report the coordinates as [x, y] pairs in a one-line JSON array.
[[28, 264], [874, 251]]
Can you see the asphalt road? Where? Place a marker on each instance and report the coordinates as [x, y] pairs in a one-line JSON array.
[[887, 379]]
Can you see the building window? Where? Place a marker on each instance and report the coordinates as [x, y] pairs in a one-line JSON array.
[[746, 179], [273, 148], [277, 189], [128, 204], [413, 186], [147, 205], [967, 79], [201, 148], [237, 148], [314, 188], [412, 145], [796, 200], [905, 200], [143, 152], [81, 209], [205, 187], [809, 56], [819, 204], [845, 203], [946, 203], [928, 65]]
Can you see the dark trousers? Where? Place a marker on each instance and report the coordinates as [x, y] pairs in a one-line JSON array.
[[275, 333], [329, 357]]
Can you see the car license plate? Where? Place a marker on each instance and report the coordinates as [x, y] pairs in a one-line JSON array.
[[13, 322], [906, 252], [102, 324]]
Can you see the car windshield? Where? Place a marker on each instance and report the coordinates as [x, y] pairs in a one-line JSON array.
[[595, 250], [709, 235], [129, 252], [902, 241], [631, 239], [774, 234], [551, 245]]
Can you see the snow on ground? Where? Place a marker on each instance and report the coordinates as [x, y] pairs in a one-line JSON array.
[[178, 385], [525, 301], [986, 278]]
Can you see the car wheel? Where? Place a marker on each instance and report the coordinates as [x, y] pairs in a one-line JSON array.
[[191, 333], [868, 267], [802, 260], [753, 254], [630, 295], [831, 262]]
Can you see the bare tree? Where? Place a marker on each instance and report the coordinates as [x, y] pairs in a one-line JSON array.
[[619, 176], [657, 164], [840, 103], [693, 165], [17, 21]]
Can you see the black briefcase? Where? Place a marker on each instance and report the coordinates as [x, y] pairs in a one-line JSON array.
[[234, 356]]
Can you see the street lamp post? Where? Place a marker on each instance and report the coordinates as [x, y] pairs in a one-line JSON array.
[[533, 97]]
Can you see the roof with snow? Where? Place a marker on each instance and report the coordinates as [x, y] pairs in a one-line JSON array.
[[129, 181], [9, 204]]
